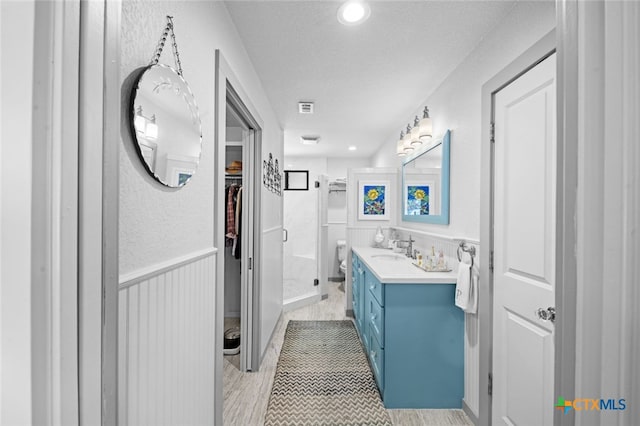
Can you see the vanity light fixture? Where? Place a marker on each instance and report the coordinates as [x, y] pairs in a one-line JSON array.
[[140, 122], [400, 145], [146, 127], [406, 141], [421, 132], [353, 12], [152, 128], [415, 133], [426, 127]]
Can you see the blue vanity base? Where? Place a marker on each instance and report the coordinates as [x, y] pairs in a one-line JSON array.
[[424, 347], [414, 338]]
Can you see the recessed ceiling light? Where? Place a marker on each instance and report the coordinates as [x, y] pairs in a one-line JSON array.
[[353, 12], [352, 148]]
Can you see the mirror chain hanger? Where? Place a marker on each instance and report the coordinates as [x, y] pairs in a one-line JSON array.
[[163, 39]]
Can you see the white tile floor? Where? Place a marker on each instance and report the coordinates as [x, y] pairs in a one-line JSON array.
[[246, 395]]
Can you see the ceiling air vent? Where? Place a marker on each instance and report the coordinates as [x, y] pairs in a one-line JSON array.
[[309, 140], [305, 107]]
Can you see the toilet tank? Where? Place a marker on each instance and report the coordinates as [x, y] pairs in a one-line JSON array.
[[342, 249]]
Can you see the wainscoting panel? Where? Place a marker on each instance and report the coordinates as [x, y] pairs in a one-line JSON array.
[[166, 343]]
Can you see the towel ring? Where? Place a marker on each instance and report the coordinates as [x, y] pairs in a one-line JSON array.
[[463, 247]]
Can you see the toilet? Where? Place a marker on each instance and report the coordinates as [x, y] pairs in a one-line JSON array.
[[342, 255]]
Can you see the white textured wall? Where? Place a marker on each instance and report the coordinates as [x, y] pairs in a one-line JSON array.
[[456, 105], [158, 224]]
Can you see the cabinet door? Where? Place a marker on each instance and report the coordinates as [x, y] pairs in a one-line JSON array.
[[375, 316], [376, 356], [360, 317]]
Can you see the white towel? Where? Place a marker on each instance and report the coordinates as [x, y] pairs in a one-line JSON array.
[[466, 290]]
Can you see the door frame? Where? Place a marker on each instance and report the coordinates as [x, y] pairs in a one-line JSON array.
[[249, 356], [527, 60], [98, 218], [228, 86]]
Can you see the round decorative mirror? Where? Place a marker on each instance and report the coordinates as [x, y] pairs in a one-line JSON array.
[[166, 125]]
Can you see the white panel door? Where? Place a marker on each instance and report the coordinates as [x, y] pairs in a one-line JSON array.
[[524, 247]]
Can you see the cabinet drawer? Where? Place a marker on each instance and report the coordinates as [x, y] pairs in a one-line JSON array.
[[375, 316], [376, 356], [375, 287]]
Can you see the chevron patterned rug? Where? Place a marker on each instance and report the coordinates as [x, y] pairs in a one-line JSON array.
[[323, 378]]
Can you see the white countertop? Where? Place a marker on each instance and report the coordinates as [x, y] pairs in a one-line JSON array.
[[396, 268]]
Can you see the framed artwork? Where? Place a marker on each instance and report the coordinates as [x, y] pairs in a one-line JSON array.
[[373, 199], [183, 178], [418, 200]]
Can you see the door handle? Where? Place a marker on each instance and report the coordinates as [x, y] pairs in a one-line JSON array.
[[548, 314], [286, 235]]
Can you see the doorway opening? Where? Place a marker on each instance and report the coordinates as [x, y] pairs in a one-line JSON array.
[[241, 246], [519, 244]]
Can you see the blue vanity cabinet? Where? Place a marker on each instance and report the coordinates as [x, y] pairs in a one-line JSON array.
[[357, 279], [414, 338]]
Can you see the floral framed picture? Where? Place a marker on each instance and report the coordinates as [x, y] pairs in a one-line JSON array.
[[418, 200], [373, 199]]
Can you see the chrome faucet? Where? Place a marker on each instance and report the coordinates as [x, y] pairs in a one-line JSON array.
[[410, 252]]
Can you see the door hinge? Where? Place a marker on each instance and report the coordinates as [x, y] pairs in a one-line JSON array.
[[250, 263], [490, 386], [317, 184], [492, 132], [491, 261], [316, 281]]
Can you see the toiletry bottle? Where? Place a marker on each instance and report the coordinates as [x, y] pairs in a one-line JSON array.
[[432, 258], [379, 237], [419, 257], [440, 260]]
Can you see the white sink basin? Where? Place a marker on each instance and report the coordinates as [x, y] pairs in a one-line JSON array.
[[394, 257]]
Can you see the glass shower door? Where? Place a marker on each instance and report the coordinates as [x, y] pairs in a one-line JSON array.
[[300, 247]]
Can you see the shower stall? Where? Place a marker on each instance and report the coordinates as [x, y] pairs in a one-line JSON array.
[[314, 220], [300, 271]]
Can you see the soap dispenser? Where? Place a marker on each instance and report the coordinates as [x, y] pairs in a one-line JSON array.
[[379, 237]]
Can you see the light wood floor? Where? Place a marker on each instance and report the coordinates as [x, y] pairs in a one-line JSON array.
[[246, 395]]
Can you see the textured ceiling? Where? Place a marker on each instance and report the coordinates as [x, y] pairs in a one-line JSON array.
[[366, 81]]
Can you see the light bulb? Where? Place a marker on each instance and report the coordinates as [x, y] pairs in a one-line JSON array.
[[400, 145], [426, 127], [415, 133], [152, 129], [407, 140]]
